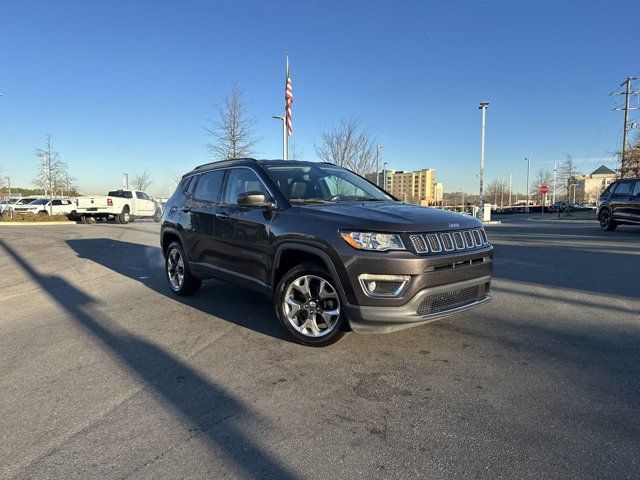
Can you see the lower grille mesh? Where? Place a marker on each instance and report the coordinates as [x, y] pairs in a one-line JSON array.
[[440, 302]]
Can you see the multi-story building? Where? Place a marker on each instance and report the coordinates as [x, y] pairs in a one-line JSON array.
[[589, 187], [418, 187]]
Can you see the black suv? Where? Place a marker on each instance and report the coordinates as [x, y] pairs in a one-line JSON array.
[[619, 204], [333, 250]]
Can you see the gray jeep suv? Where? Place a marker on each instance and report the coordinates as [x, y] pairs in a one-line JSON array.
[[333, 250]]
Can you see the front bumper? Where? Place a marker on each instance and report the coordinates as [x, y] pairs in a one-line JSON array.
[[426, 306]]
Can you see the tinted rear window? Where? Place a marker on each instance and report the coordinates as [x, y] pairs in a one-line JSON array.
[[624, 188], [209, 186], [119, 193]]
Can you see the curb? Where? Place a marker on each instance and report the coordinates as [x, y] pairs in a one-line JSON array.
[[22, 224]]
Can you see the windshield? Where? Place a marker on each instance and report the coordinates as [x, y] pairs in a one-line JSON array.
[[323, 183], [40, 201]]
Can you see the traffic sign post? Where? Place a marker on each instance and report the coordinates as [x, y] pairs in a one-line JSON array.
[[543, 191]]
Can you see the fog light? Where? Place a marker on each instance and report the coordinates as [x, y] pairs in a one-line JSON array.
[[383, 285]]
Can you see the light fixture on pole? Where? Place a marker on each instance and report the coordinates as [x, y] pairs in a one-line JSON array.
[[528, 173], [378, 147], [483, 107], [284, 135]]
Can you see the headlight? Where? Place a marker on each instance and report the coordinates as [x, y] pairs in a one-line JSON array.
[[379, 242]]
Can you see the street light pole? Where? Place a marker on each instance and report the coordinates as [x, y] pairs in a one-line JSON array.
[[378, 147], [384, 176], [483, 107], [528, 173], [284, 136], [510, 178], [555, 176], [126, 181]]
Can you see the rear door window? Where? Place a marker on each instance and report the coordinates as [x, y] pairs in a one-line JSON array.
[[623, 190], [635, 193], [209, 186]]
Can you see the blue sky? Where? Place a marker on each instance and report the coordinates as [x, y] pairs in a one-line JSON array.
[[129, 85]]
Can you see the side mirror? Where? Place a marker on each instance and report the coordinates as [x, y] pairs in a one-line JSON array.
[[254, 199]]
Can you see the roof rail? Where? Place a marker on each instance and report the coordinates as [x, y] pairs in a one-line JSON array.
[[225, 161]]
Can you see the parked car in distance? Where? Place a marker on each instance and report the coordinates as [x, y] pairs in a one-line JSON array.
[[332, 250], [619, 204], [16, 202], [121, 205], [44, 206]]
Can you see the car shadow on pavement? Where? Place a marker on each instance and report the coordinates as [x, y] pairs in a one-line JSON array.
[[207, 408], [235, 304]]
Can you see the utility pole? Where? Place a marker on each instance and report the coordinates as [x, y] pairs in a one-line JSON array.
[[528, 173], [126, 181], [483, 107], [625, 130]]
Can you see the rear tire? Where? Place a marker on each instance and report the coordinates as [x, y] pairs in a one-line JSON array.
[[308, 305], [179, 277], [124, 217], [606, 221]]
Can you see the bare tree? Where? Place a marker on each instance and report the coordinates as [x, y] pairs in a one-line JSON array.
[[53, 171], [543, 177], [142, 182], [568, 176], [68, 184], [348, 145], [296, 152], [233, 131], [632, 160]]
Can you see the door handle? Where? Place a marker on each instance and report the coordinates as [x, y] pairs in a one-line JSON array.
[[222, 215], [186, 209]]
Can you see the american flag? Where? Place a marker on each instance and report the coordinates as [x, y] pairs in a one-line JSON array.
[[288, 98]]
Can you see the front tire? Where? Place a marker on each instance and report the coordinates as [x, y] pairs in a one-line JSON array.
[[157, 216], [308, 306], [180, 279], [606, 221]]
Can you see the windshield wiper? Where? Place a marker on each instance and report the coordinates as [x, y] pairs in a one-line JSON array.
[[310, 200], [371, 199]]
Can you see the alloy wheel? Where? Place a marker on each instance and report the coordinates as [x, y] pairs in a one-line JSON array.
[[175, 269], [312, 306]]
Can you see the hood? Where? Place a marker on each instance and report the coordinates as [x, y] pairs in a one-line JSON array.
[[390, 217]]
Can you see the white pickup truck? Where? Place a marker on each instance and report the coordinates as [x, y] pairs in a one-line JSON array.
[[121, 205]]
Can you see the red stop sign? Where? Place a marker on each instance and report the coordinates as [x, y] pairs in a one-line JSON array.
[[543, 189]]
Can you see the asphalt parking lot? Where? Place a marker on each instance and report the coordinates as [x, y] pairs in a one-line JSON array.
[[104, 374]]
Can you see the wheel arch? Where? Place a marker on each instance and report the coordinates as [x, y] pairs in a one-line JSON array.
[[290, 254]]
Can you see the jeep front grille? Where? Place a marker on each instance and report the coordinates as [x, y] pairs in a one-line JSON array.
[[457, 241], [418, 243]]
